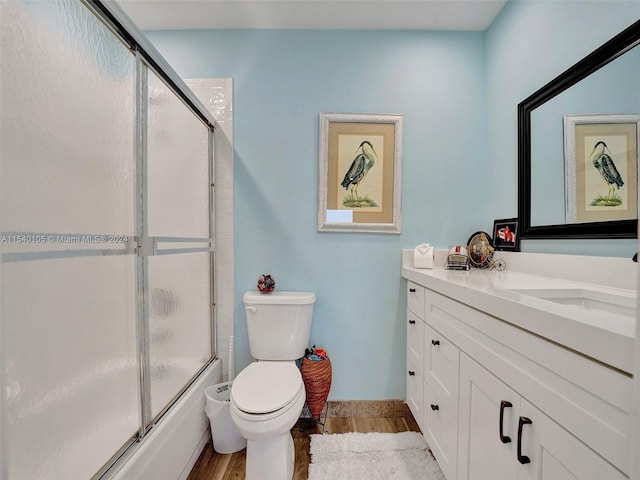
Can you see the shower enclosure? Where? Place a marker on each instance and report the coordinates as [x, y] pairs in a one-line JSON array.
[[106, 204]]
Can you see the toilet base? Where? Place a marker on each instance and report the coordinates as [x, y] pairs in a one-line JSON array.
[[270, 459]]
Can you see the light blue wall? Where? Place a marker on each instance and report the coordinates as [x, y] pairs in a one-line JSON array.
[[459, 170], [282, 80], [528, 45]]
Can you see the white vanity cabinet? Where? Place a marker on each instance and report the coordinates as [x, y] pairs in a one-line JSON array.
[[502, 436], [500, 403]]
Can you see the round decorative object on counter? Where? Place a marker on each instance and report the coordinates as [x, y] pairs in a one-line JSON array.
[[480, 250], [266, 283], [499, 264]]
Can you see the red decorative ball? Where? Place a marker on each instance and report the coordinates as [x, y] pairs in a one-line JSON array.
[[266, 284]]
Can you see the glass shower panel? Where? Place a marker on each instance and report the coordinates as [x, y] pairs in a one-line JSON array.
[[72, 282], [69, 359], [69, 353], [67, 122], [179, 322], [177, 166]]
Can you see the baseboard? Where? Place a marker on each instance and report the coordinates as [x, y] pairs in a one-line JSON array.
[[364, 408]]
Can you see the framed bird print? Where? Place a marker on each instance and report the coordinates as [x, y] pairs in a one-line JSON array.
[[359, 173], [601, 167]]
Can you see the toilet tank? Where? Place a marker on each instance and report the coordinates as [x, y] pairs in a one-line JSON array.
[[278, 323]]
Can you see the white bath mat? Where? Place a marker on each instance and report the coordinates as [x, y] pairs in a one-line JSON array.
[[372, 456]]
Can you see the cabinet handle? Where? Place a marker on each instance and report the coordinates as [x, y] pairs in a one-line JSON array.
[[412, 322], [523, 421], [435, 342], [435, 407], [411, 373], [412, 290], [504, 404]]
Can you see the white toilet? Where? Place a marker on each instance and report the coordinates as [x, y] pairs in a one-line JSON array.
[[267, 397]]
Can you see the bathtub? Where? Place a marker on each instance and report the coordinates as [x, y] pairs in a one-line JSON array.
[[171, 449]]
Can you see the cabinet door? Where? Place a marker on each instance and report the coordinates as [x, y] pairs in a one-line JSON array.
[[486, 442], [555, 454]]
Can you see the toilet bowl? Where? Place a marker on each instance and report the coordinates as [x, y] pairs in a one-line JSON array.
[[267, 399]]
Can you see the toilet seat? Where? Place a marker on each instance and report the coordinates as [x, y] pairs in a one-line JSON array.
[[266, 387]]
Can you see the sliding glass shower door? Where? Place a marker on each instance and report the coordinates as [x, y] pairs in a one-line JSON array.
[[179, 275], [106, 242]]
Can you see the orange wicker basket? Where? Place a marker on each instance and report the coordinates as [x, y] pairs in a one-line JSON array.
[[317, 382]]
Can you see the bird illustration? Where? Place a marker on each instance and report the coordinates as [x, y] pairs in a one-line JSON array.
[[601, 158], [359, 167]]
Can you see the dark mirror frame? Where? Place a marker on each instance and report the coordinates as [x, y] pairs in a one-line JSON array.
[[611, 50]]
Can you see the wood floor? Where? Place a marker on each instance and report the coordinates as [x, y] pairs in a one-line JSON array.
[[215, 466]]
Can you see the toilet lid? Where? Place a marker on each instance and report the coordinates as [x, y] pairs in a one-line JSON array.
[[266, 386]]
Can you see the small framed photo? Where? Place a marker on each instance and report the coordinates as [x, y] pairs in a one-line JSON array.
[[506, 235]]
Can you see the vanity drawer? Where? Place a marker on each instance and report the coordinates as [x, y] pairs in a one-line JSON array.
[[415, 299], [441, 430], [441, 365]]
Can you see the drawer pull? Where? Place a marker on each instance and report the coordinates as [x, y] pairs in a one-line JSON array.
[[435, 407], [523, 459], [412, 322], [435, 342], [504, 404], [412, 290], [411, 373]]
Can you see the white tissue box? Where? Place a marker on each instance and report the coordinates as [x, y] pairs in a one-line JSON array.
[[423, 256]]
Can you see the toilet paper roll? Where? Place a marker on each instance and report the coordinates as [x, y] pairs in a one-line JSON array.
[[423, 256]]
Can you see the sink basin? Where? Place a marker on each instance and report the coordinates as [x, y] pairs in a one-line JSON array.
[[586, 299]]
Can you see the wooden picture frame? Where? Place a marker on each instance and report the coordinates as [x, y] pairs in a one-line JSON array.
[[601, 167], [359, 173]]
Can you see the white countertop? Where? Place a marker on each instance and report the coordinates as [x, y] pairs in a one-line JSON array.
[[606, 337]]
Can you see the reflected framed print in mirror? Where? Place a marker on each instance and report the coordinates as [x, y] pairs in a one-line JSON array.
[[601, 167]]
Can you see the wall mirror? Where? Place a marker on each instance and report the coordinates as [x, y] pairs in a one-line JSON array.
[[562, 192]]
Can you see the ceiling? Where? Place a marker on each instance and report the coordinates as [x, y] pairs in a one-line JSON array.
[[472, 15]]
